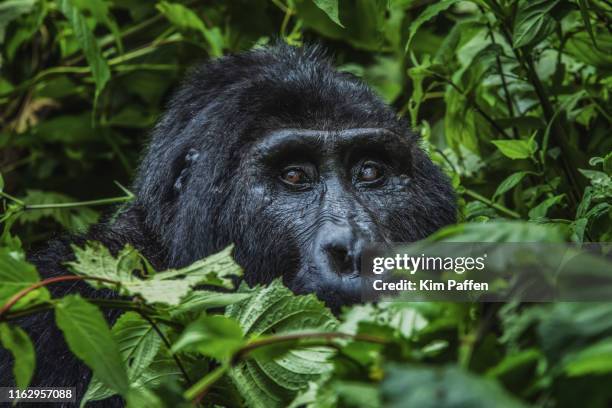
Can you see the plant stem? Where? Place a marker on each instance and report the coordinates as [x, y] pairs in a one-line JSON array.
[[10, 197], [526, 62], [161, 335], [19, 295], [491, 204], [91, 203], [199, 389], [509, 104], [476, 107]]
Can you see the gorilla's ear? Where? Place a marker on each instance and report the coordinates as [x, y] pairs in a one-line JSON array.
[[190, 158]]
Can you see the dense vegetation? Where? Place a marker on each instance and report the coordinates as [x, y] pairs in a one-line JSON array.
[[512, 99]]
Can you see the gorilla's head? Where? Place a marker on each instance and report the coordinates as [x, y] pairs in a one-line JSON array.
[[297, 164]]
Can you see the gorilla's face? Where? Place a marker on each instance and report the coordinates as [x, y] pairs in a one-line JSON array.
[[299, 165], [317, 198]]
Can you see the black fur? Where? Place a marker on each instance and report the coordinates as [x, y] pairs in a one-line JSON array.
[[207, 181]]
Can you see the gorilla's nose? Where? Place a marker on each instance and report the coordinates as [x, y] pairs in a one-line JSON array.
[[342, 247]]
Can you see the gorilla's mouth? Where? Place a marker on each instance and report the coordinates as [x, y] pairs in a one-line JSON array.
[[331, 287]]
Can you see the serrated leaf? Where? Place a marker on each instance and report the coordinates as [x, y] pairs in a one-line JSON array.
[[138, 344], [274, 309], [134, 276], [213, 336], [200, 300], [89, 338], [516, 149], [330, 7], [18, 342], [430, 12]]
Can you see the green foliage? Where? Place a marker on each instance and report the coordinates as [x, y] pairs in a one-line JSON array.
[[19, 344], [88, 336], [278, 371], [512, 100], [441, 387], [127, 270]]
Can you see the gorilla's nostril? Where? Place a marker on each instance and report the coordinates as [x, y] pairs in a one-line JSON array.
[[340, 259]]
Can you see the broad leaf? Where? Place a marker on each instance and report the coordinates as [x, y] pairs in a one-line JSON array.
[[186, 19], [169, 287], [90, 339], [330, 7], [595, 359], [430, 12], [16, 274], [516, 149], [138, 343], [263, 381], [16, 340], [213, 336], [541, 209], [533, 22]]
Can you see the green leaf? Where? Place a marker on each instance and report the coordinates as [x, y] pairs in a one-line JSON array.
[[516, 149], [595, 359], [430, 12], [100, 10], [541, 209], [138, 343], [89, 338], [533, 22], [186, 19], [330, 7], [201, 300], [167, 287], [88, 43], [75, 219], [422, 386], [11, 10], [499, 231], [275, 310], [213, 336], [565, 327], [17, 274], [584, 12], [515, 364], [19, 344], [509, 183]]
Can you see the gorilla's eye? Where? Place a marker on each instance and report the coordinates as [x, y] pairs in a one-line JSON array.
[[295, 176], [369, 172]]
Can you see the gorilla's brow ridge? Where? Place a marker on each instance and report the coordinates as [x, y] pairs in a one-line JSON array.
[[278, 139]]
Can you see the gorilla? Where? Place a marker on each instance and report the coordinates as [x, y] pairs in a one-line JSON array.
[[297, 164]]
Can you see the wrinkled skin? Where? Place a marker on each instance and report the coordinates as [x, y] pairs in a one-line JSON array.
[[299, 165]]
